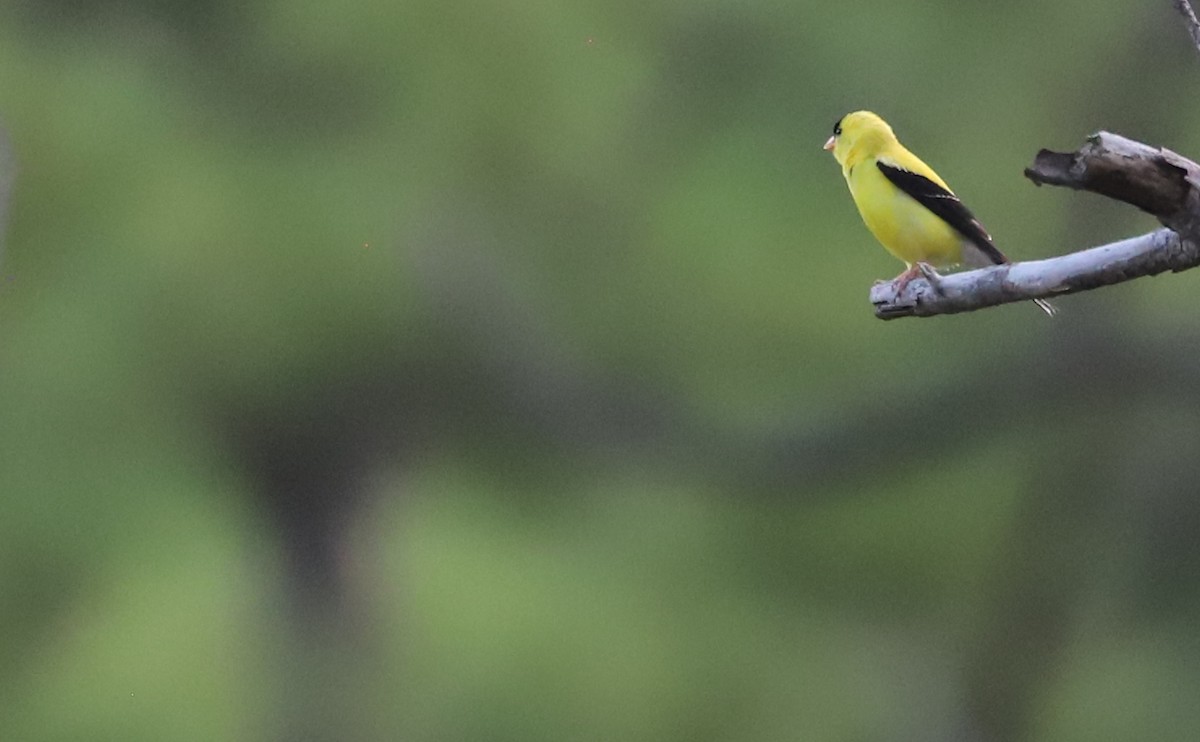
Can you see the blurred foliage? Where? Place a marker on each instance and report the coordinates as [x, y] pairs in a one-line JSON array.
[[504, 371]]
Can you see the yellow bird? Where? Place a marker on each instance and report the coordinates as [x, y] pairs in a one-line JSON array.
[[909, 209]]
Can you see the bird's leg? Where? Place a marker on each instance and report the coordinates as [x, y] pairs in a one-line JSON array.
[[906, 277], [934, 278], [925, 270]]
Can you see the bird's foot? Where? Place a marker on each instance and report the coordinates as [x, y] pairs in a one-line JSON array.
[[925, 270], [906, 277], [934, 278]]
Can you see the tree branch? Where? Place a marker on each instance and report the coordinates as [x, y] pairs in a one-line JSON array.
[[1155, 180], [1189, 18]]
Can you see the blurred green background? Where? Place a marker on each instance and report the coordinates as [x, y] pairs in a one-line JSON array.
[[505, 371]]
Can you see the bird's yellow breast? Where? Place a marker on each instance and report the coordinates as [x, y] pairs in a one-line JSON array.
[[907, 229]]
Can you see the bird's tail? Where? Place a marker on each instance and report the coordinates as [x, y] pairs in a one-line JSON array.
[[1046, 307]]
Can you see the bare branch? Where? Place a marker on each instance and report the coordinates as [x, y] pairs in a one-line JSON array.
[[1155, 180], [1147, 255], [1189, 18]]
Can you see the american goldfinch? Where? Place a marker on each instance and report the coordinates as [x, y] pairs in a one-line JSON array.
[[904, 203]]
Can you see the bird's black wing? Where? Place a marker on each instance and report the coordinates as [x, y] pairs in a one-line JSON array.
[[946, 205]]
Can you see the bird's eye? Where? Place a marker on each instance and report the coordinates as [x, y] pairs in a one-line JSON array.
[[837, 129]]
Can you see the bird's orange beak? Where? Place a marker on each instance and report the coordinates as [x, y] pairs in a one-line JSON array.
[[829, 144]]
